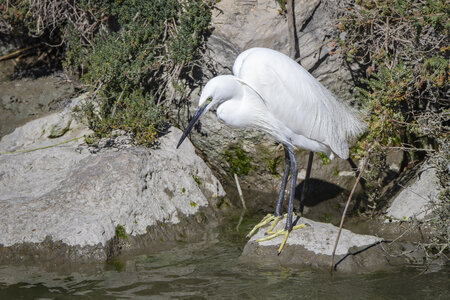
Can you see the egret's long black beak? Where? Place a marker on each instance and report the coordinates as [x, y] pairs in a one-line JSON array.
[[198, 113]]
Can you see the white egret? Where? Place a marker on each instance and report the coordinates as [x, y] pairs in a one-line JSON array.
[[271, 92]]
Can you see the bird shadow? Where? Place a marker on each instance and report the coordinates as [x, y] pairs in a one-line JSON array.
[[318, 191]]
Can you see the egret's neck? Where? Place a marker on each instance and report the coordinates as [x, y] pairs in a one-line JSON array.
[[232, 112], [246, 109]]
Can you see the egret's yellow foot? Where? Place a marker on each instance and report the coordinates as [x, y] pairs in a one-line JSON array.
[[267, 219], [275, 222], [281, 232]]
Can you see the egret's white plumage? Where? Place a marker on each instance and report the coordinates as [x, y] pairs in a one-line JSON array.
[[271, 92]]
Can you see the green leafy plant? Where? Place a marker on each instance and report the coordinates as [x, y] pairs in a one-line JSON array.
[[282, 4], [402, 46], [324, 159], [133, 55], [196, 179], [120, 232], [239, 162], [133, 68], [272, 164]]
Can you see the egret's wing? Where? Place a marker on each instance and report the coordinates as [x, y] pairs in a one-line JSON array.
[[296, 98]]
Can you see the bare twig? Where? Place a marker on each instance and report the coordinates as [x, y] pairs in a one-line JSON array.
[[345, 210], [17, 52], [242, 201], [240, 191], [293, 42], [115, 105]]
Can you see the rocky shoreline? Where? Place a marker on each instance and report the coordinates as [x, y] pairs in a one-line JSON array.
[[64, 201]]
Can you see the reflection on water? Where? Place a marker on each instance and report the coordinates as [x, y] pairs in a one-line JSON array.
[[212, 271]]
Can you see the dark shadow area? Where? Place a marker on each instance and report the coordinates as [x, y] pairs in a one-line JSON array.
[[318, 191], [362, 181], [396, 186], [359, 198], [34, 56]]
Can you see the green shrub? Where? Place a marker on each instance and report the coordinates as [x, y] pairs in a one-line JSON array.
[[121, 232], [135, 113], [132, 69], [132, 54], [402, 46], [238, 161]]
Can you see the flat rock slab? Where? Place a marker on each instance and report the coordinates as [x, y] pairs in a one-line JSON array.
[[312, 247]]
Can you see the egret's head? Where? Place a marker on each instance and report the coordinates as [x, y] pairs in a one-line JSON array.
[[218, 90]]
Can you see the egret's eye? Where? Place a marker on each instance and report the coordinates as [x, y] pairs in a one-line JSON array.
[[207, 101]]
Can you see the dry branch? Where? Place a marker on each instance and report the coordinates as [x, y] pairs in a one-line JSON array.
[[345, 210]]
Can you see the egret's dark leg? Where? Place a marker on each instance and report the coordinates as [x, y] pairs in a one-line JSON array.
[[294, 173], [277, 215], [287, 166], [275, 218], [305, 182], [289, 224]]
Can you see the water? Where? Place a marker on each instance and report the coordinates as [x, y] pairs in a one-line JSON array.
[[212, 270]]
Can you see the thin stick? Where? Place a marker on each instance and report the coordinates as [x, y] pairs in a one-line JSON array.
[[293, 41], [242, 201], [240, 191], [17, 52], [42, 148], [345, 211], [240, 220], [115, 105]]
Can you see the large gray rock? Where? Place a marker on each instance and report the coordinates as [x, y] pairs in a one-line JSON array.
[[60, 201], [416, 199], [312, 247]]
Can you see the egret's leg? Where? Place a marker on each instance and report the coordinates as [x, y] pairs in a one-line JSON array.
[[289, 223], [287, 165], [276, 217], [294, 173], [305, 182]]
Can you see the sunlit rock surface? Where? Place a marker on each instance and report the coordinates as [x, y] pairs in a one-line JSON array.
[[416, 199], [240, 25], [312, 247], [61, 200]]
